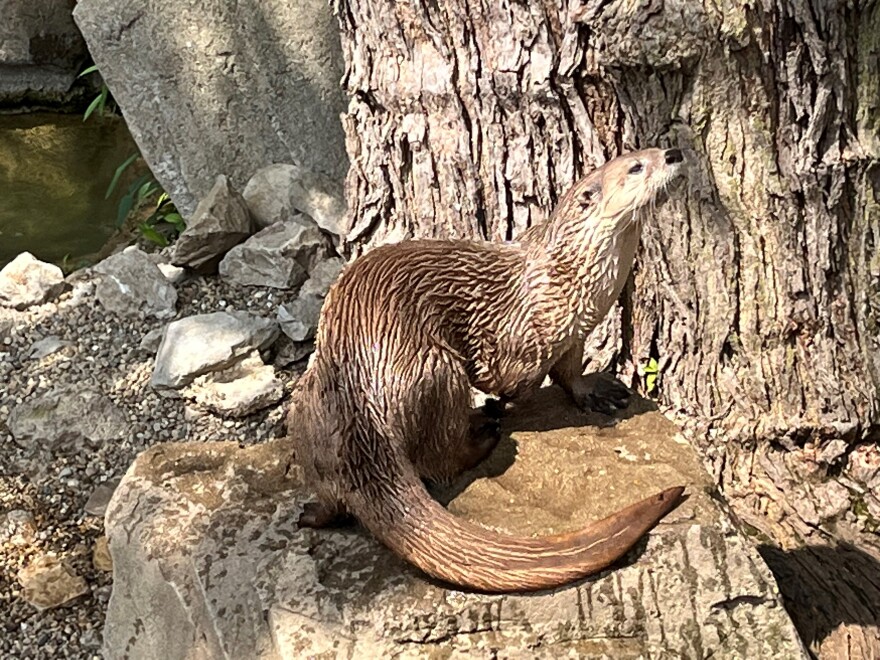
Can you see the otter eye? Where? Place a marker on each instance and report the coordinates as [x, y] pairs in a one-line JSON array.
[[635, 169]]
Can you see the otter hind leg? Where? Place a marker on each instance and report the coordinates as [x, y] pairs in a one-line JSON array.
[[320, 514], [484, 435], [446, 438]]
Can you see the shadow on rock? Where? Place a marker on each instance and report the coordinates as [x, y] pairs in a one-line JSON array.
[[833, 596], [550, 408]]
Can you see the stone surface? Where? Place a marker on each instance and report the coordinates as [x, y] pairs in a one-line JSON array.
[[48, 346], [18, 528], [130, 284], [197, 345], [239, 390], [288, 351], [221, 221], [299, 319], [172, 273], [239, 87], [49, 582], [69, 419], [152, 340], [322, 276], [41, 52], [27, 281], [209, 562], [277, 192], [101, 558], [97, 503], [279, 256]]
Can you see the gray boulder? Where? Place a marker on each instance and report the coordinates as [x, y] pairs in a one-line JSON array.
[[277, 192], [196, 345], [27, 281], [130, 284], [279, 256], [322, 277], [69, 419], [240, 86], [221, 221], [208, 560], [299, 319]]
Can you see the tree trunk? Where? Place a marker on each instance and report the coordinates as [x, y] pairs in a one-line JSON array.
[[757, 289]]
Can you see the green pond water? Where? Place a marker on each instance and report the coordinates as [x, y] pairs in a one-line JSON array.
[[54, 171]]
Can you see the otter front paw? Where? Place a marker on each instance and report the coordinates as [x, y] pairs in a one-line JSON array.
[[602, 393]]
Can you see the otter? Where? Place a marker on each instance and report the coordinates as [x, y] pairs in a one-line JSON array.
[[407, 330]]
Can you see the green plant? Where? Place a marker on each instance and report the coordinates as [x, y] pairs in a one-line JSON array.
[[102, 101], [164, 223], [651, 372]]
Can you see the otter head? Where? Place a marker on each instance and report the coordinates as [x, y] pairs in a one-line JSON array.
[[626, 183]]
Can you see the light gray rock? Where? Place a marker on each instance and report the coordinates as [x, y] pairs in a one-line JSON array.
[[152, 340], [322, 276], [240, 86], [48, 346], [41, 52], [277, 192], [279, 256], [242, 389], [206, 549], [69, 419], [287, 351], [197, 345], [130, 284], [221, 221], [27, 281], [299, 319], [97, 503], [174, 274]]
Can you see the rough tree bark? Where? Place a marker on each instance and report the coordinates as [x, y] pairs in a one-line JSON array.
[[758, 286]]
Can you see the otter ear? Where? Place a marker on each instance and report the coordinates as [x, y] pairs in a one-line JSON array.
[[588, 196]]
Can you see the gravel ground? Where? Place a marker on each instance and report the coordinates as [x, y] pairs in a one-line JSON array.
[[54, 488]]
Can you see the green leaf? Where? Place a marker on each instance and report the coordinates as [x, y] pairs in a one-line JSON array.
[[88, 70], [118, 174], [652, 372], [145, 191], [97, 104], [176, 220], [162, 199], [152, 235], [124, 209]]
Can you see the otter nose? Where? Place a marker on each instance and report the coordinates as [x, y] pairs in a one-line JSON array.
[[674, 156]]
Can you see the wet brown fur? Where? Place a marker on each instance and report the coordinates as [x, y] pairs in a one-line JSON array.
[[409, 328]]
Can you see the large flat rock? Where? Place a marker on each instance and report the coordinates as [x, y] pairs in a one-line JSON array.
[[216, 87], [209, 563]]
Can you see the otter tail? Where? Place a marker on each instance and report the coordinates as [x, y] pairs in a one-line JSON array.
[[404, 517]]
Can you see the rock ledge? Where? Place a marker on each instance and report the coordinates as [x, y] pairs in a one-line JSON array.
[[208, 561]]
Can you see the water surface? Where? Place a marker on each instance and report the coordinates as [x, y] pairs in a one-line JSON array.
[[54, 171]]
